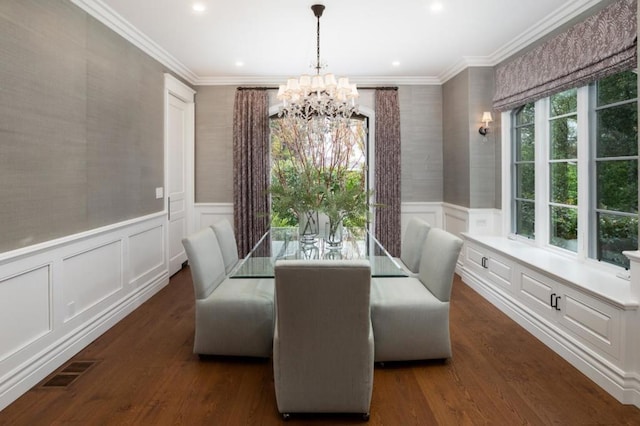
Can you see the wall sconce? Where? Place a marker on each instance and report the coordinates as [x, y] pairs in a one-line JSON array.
[[486, 119]]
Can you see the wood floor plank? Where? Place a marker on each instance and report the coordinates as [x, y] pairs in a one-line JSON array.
[[147, 374]]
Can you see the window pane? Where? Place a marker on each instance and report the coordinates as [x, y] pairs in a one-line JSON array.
[[564, 138], [525, 143], [617, 133], [564, 183], [564, 103], [526, 114], [618, 87], [615, 234], [525, 218], [564, 228], [617, 183], [525, 181]]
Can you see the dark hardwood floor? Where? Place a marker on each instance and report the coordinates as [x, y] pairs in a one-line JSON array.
[[146, 374]]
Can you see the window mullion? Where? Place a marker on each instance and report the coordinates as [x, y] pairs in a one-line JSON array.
[[585, 169], [508, 173], [542, 171]]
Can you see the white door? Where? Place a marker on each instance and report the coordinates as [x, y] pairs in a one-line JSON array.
[[177, 128]]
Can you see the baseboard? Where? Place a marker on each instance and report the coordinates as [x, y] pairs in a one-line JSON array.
[[621, 385], [68, 292]]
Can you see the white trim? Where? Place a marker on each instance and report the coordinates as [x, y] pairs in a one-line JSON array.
[[546, 25], [507, 180], [105, 14], [174, 87], [26, 365], [206, 214], [622, 385], [32, 250]]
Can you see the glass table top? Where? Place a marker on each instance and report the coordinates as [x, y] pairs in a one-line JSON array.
[[284, 243]]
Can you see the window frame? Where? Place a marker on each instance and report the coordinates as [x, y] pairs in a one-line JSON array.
[[587, 238]]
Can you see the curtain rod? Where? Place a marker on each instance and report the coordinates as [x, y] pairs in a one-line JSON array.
[[276, 88]]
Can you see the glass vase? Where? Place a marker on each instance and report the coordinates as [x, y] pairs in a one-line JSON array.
[[333, 235], [308, 227]]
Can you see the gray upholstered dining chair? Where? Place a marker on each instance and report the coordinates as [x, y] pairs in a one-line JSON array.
[[228, 245], [233, 316], [323, 341], [412, 244], [410, 316]]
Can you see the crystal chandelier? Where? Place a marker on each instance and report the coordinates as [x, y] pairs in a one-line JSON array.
[[318, 95]]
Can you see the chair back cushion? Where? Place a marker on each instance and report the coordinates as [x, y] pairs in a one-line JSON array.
[[438, 262], [412, 243], [228, 246], [323, 343], [205, 260]]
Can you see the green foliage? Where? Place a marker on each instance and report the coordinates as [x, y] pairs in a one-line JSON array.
[[317, 165]]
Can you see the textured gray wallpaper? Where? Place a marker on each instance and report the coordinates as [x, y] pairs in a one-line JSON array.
[[81, 124], [471, 163], [482, 153], [455, 94], [421, 133], [214, 144]]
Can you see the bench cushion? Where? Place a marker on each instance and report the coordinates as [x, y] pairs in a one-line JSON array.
[[409, 322]]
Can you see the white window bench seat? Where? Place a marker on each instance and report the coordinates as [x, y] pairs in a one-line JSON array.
[[586, 314]]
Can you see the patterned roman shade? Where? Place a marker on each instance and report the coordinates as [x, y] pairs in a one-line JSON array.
[[603, 44]]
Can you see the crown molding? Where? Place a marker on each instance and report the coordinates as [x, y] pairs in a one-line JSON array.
[[106, 15], [117, 23], [277, 80], [546, 25]]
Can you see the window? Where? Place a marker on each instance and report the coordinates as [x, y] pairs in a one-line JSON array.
[[615, 210], [563, 170], [575, 170], [293, 146]]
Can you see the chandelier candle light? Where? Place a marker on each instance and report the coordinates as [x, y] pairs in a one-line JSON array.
[[322, 95]]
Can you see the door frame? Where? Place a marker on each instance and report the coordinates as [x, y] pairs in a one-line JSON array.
[[174, 87]]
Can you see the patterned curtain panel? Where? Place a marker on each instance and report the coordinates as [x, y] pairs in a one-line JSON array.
[[250, 167], [387, 170], [603, 44]]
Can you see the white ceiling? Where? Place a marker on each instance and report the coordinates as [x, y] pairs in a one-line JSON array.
[[360, 39]]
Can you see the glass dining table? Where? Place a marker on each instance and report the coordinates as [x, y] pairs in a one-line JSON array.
[[284, 243]]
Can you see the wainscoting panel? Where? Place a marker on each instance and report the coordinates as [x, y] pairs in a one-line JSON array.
[[455, 219], [146, 255], [206, 214], [57, 297], [25, 312], [431, 212], [90, 277]]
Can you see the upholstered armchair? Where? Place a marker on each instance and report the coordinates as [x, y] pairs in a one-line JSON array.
[[410, 316], [323, 342], [233, 316]]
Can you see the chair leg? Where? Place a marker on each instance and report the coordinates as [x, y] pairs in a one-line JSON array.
[[365, 417], [285, 416]]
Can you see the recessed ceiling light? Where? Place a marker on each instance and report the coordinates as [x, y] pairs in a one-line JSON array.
[[199, 7], [437, 7], [239, 64], [395, 63]]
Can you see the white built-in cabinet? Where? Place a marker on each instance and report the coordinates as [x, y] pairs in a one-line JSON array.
[[584, 312]]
